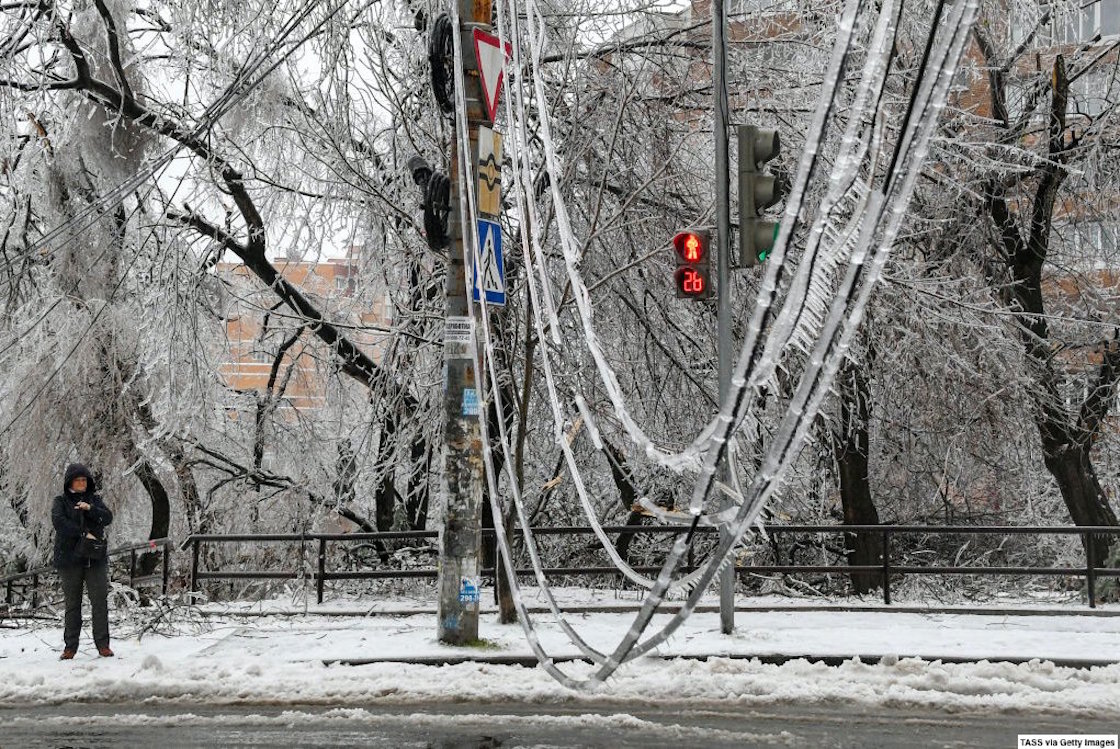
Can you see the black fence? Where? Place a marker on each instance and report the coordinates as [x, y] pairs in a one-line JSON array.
[[27, 587], [1090, 536]]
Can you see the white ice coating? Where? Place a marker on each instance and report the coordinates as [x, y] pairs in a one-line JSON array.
[[467, 210], [534, 262], [471, 248], [752, 370], [690, 457], [837, 326], [846, 311], [248, 78]]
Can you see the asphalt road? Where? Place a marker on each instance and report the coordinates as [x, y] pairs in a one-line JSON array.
[[489, 726]]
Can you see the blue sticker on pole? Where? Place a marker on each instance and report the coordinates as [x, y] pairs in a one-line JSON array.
[[491, 282], [468, 591], [470, 402]]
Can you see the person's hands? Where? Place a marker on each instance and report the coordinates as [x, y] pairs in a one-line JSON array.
[[83, 505]]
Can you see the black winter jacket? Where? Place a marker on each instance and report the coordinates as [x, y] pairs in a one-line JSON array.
[[67, 518]]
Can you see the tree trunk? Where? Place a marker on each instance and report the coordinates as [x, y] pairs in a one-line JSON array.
[[385, 496], [507, 612], [418, 491], [627, 495], [1066, 438], [622, 544], [1072, 469], [850, 447], [503, 591], [161, 505]]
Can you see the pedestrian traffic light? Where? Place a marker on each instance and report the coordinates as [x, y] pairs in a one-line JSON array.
[[693, 279], [757, 191]]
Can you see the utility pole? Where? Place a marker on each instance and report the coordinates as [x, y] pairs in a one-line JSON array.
[[461, 480], [723, 270]]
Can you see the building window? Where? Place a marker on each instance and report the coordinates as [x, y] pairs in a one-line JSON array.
[[1101, 17], [1092, 239], [1089, 94]]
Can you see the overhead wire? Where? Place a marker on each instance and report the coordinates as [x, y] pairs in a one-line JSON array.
[[890, 202], [664, 579], [832, 342]]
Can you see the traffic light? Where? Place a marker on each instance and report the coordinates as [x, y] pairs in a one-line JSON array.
[[757, 191], [693, 278]]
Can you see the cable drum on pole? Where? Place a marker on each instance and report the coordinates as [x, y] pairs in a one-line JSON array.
[[441, 60], [437, 211]]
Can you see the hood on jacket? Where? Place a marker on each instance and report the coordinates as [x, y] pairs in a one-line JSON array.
[[75, 470]]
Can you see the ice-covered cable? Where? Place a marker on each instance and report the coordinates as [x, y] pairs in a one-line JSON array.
[[530, 252], [472, 258], [663, 582], [913, 144], [845, 314]]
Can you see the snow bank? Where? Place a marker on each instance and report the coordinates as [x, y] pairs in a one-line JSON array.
[[279, 661]]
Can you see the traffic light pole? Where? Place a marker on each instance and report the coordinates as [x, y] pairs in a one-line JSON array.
[[723, 269], [461, 478]]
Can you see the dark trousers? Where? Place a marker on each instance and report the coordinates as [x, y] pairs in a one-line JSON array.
[[95, 577]]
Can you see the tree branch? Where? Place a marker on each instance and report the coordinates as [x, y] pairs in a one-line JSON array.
[[114, 41], [1101, 396], [996, 85]]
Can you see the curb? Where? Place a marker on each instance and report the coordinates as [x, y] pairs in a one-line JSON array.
[[702, 609], [771, 659]]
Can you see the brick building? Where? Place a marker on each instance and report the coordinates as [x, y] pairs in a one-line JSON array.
[[257, 329]]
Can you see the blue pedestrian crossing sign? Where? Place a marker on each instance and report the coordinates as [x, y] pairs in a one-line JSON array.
[[490, 281]]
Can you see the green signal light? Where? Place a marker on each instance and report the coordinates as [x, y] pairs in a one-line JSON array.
[[763, 254]]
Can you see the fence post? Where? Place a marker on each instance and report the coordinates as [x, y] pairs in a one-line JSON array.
[[166, 553], [194, 565], [8, 594], [132, 568], [1090, 569], [34, 591], [887, 567], [322, 569]]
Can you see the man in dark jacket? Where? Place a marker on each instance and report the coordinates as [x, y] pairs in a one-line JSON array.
[[80, 511]]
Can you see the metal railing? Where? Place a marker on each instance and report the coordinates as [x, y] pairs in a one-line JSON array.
[[28, 584], [884, 570]]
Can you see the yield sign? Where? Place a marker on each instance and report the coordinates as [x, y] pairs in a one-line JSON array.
[[491, 53]]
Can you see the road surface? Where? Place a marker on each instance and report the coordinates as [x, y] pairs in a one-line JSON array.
[[489, 726]]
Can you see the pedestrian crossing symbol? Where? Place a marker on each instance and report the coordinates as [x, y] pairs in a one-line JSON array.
[[491, 281]]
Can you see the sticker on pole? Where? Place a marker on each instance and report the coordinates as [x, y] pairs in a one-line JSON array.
[[491, 54], [489, 281], [470, 402], [468, 591], [459, 330]]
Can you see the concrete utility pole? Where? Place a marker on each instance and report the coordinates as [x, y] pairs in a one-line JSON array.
[[723, 267], [461, 480]]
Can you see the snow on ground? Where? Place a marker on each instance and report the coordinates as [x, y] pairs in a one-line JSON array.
[[230, 658]]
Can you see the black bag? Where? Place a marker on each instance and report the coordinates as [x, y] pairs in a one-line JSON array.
[[90, 548]]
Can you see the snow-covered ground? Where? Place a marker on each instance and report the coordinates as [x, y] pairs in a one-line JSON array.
[[228, 657]]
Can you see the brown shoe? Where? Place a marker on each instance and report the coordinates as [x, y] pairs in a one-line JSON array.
[[67, 654], [105, 652]]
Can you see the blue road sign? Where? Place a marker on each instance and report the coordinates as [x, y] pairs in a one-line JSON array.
[[491, 282]]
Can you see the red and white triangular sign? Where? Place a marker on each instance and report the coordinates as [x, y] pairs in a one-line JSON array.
[[491, 54]]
